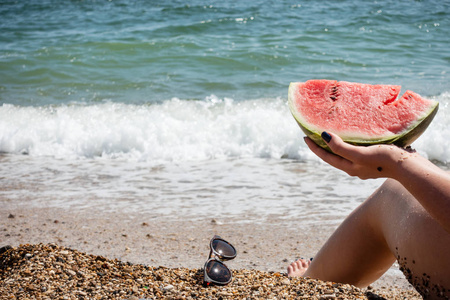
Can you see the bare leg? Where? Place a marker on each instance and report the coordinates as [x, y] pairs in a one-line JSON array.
[[356, 253], [389, 225]]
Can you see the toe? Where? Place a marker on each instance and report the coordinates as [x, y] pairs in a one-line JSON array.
[[298, 268]]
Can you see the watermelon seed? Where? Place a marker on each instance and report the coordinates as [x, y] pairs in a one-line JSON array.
[[380, 169], [334, 93]]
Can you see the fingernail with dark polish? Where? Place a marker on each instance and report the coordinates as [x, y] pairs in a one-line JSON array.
[[326, 136]]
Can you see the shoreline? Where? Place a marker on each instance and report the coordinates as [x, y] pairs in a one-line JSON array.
[[172, 243]]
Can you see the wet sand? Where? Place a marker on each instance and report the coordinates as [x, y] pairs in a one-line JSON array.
[[174, 242]]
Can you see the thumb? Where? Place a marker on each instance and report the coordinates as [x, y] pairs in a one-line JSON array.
[[338, 146]]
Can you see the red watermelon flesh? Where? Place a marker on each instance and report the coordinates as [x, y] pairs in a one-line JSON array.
[[360, 113]]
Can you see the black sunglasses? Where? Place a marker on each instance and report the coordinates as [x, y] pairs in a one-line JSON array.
[[215, 271]]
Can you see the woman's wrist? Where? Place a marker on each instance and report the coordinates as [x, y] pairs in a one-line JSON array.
[[402, 162], [408, 167]]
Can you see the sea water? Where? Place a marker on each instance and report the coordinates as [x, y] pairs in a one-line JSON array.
[[179, 108]]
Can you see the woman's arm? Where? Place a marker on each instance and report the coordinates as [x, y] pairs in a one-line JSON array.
[[426, 182]]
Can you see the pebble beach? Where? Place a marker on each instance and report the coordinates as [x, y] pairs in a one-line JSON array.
[[54, 272], [61, 255]]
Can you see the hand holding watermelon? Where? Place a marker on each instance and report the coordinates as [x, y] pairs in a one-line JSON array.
[[364, 162]]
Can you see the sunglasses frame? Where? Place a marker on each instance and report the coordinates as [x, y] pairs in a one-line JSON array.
[[218, 258]]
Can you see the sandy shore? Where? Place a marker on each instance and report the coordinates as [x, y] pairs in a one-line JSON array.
[[172, 243]]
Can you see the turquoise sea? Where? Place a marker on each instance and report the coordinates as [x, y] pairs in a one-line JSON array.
[[180, 107]]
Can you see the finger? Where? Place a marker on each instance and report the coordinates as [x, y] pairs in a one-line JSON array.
[[330, 158], [341, 148]]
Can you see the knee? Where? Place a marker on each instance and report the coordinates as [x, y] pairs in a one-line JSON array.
[[393, 200], [388, 205], [390, 194], [392, 186]]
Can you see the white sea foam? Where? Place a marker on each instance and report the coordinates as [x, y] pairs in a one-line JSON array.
[[172, 131], [434, 142], [176, 130]]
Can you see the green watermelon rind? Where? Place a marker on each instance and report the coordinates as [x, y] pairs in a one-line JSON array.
[[403, 139]]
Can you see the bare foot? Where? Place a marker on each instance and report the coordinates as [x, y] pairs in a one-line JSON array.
[[298, 268]]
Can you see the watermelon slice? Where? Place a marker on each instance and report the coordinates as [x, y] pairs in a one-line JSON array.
[[361, 114]]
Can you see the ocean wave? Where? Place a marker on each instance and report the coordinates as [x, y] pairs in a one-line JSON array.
[[171, 131], [176, 130], [433, 143]]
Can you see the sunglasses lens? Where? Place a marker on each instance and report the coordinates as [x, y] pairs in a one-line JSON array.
[[223, 248], [217, 271]]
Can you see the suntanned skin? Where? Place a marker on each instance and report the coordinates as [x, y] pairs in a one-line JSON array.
[[406, 219]]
